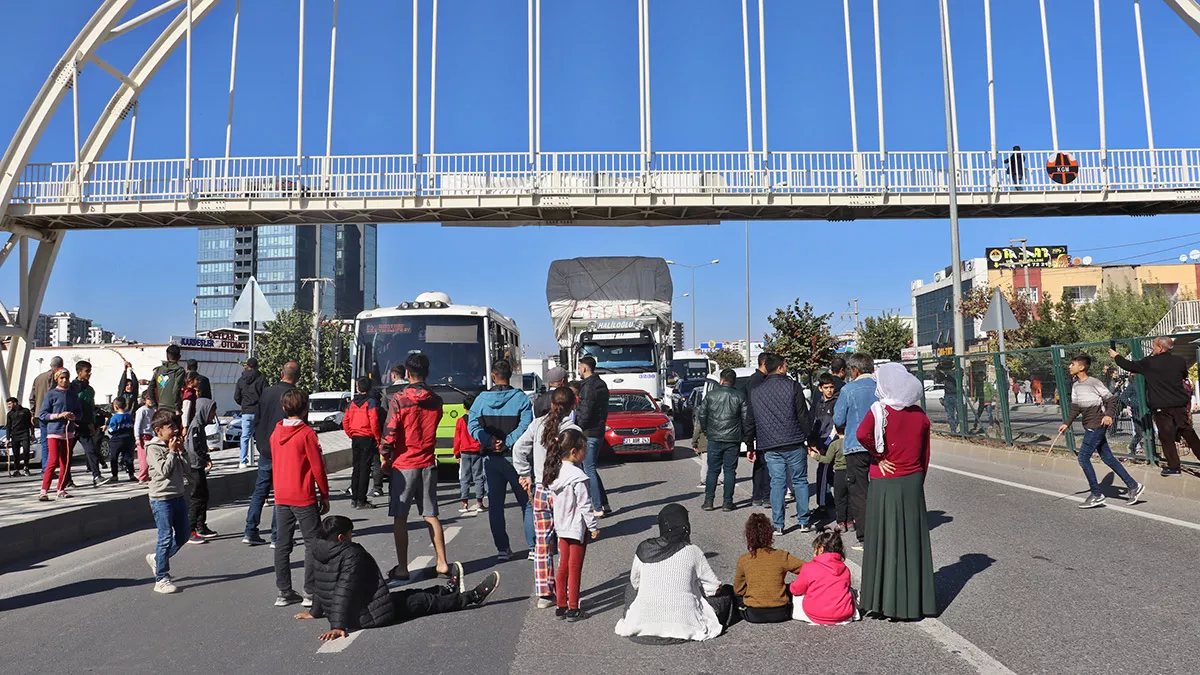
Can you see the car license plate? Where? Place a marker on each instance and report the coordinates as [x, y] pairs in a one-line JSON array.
[[637, 440]]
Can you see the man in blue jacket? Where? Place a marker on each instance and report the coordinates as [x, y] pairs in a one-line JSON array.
[[497, 420], [852, 406]]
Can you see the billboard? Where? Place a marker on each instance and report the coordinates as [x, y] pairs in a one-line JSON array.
[[1014, 257]]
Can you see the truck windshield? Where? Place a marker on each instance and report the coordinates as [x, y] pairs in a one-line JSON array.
[[620, 358], [454, 344]]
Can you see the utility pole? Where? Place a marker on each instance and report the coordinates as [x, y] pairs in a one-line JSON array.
[[1024, 262], [316, 282], [853, 302]]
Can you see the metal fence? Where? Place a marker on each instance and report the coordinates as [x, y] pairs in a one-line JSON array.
[[1021, 397]]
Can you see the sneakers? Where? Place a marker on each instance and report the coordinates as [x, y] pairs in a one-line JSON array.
[[153, 565], [241, 465], [43, 497], [728, 506], [196, 538], [286, 598], [532, 555], [376, 493], [307, 602], [63, 494], [457, 581], [479, 595], [359, 506], [701, 486], [504, 556], [205, 532], [545, 603], [598, 514], [479, 508], [707, 506], [806, 527], [253, 540], [778, 532], [574, 615], [165, 586], [105, 481], [465, 508], [1092, 502], [1135, 494], [560, 613], [1167, 471]]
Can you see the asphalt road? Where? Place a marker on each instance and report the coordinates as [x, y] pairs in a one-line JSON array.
[[1028, 583]]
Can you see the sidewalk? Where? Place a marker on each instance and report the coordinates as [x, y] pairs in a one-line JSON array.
[[31, 528]]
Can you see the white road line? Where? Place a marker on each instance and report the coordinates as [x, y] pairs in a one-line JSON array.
[[1071, 497], [339, 645], [951, 641]]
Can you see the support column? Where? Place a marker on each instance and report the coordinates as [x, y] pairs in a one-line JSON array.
[[37, 276]]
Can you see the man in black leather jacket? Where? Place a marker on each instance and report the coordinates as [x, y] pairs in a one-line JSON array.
[[724, 414]]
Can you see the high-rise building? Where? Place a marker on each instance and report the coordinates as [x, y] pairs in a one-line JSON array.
[[279, 256], [68, 329]]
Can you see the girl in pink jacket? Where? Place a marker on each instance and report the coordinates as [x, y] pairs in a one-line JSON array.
[[821, 592]]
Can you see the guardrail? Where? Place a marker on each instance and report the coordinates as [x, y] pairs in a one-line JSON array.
[[1184, 315], [597, 173]]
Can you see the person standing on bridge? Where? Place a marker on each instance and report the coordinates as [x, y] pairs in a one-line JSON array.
[[897, 580], [848, 414], [270, 414], [42, 384], [1016, 167], [1096, 405], [1167, 397]]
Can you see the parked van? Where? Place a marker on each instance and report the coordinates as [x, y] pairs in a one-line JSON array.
[[326, 409]]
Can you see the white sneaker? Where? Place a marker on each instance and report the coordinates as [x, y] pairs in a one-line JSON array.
[[241, 465], [532, 555], [307, 602], [544, 603], [153, 565], [164, 585]]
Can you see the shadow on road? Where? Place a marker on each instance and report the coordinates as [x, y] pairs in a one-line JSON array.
[[937, 518], [951, 579], [606, 596], [635, 487], [70, 591]]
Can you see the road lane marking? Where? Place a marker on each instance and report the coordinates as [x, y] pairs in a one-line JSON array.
[[1075, 498], [340, 644]]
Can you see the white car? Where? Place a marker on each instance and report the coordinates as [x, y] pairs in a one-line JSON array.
[[326, 409], [934, 393]]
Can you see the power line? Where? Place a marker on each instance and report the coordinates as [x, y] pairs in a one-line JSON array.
[[1136, 243], [1161, 250]]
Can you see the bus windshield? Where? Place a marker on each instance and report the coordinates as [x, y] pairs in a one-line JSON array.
[[620, 357], [687, 369], [454, 344]]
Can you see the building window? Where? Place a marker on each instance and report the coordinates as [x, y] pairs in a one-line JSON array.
[[1029, 293], [1171, 291], [1079, 294]]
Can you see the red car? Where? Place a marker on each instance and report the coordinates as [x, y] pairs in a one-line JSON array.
[[637, 425]]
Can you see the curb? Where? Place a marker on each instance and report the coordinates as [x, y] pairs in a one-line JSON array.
[[1184, 486], [76, 528]]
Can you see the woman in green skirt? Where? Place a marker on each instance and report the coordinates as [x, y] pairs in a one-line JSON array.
[[897, 579]]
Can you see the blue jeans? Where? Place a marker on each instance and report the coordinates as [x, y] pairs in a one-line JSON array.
[[247, 433], [171, 517], [45, 447], [262, 488], [595, 485], [1097, 440], [470, 471], [500, 476], [785, 465]]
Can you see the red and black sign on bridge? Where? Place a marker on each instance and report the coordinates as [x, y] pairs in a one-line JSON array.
[[1062, 169]]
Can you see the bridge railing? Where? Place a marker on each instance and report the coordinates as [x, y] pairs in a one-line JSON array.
[[600, 173]]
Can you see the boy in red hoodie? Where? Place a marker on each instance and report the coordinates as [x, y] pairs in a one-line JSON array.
[[299, 472], [470, 462], [361, 424], [821, 591]]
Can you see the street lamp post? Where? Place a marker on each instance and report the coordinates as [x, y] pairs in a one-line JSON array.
[[693, 268]]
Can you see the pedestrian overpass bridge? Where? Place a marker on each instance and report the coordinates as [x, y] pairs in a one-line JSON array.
[[98, 189]]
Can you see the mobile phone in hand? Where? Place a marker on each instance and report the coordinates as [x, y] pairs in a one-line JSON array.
[[1112, 344]]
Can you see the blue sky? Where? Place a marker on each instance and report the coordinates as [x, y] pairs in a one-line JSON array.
[[590, 103]]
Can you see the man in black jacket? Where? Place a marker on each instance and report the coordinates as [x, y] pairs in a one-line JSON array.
[[352, 593], [782, 425], [19, 428], [246, 394], [1167, 398], [591, 415], [269, 414], [724, 414], [555, 377]]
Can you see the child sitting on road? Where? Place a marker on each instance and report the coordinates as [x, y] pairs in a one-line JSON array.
[[351, 592], [821, 592], [573, 514], [470, 463], [761, 593]]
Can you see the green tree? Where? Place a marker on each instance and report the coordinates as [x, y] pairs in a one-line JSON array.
[[289, 338], [727, 358], [1121, 313], [801, 336], [883, 337]]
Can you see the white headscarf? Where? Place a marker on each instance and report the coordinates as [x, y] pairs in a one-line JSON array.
[[896, 388]]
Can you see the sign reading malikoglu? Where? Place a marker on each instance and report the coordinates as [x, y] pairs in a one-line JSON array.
[[1013, 257]]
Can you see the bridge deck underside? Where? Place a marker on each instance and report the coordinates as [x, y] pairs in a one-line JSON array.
[[610, 210]]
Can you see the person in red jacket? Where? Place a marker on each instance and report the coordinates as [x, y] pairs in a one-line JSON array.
[[470, 463], [409, 440], [361, 424], [301, 493], [821, 590]]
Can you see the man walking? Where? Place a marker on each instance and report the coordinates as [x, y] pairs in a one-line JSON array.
[[269, 414], [760, 478], [18, 426], [498, 419], [591, 415], [361, 424], [782, 424], [246, 394], [1167, 399], [43, 383], [724, 414], [409, 442], [555, 377], [852, 406], [167, 382], [82, 388]]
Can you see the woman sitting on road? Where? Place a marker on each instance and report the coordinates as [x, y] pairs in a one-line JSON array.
[[758, 582], [897, 578], [673, 595]]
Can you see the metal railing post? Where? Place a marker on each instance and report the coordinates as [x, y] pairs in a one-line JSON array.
[[1064, 394], [1002, 390], [1136, 352]]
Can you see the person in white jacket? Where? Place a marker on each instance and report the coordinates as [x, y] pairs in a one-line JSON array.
[[529, 458], [573, 514]]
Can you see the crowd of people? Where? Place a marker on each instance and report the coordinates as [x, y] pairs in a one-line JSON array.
[[864, 428]]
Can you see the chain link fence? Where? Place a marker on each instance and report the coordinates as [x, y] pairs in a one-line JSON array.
[[1022, 396]]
